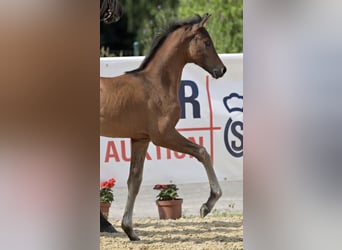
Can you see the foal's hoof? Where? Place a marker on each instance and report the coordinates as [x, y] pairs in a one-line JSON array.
[[130, 233], [108, 229], [133, 237], [204, 210]]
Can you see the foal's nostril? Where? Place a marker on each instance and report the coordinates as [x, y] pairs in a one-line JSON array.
[[219, 72]]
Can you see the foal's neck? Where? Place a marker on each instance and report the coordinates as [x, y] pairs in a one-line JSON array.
[[167, 65]]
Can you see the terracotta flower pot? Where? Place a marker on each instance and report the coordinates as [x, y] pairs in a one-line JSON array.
[[171, 209], [104, 206]]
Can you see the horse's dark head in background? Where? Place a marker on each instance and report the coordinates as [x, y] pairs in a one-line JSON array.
[[110, 11]]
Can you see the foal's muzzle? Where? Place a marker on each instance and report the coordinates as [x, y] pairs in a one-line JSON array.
[[219, 72]]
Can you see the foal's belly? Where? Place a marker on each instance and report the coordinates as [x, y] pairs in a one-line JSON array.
[[123, 128]]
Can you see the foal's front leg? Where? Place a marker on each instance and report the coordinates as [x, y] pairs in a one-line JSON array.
[[138, 154], [175, 141]]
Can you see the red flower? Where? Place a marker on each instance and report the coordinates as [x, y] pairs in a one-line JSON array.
[[104, 184], [108, 184], [111, 182], [106, 193], [161, 186], [167, 191]]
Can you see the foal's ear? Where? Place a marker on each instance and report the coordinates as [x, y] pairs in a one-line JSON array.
[[199, 25], [205, 18]]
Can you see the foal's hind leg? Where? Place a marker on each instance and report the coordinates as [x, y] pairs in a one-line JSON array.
[[175, 141], [105, 225], [139, 149]]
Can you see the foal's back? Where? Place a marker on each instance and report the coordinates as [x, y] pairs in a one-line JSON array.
[[124, 106]]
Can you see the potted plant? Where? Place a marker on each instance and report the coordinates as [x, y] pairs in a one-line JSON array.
[[106, 196], [169, 205]]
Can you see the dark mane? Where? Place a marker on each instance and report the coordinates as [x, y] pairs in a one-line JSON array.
[[159, 39]]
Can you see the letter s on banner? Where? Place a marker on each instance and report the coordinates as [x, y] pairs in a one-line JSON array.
[[233, 137]]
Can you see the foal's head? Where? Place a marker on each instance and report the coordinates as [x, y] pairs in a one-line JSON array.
[[193, 41], [201, 50]]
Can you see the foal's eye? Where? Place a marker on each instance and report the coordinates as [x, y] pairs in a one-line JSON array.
[[207, 43]]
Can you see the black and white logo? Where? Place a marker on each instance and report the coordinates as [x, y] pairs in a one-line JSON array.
[[233, 137]]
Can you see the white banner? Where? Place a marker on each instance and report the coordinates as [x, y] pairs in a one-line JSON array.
[[212, 117]]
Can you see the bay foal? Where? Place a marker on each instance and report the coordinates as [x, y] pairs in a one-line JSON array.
[[143, 104]]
